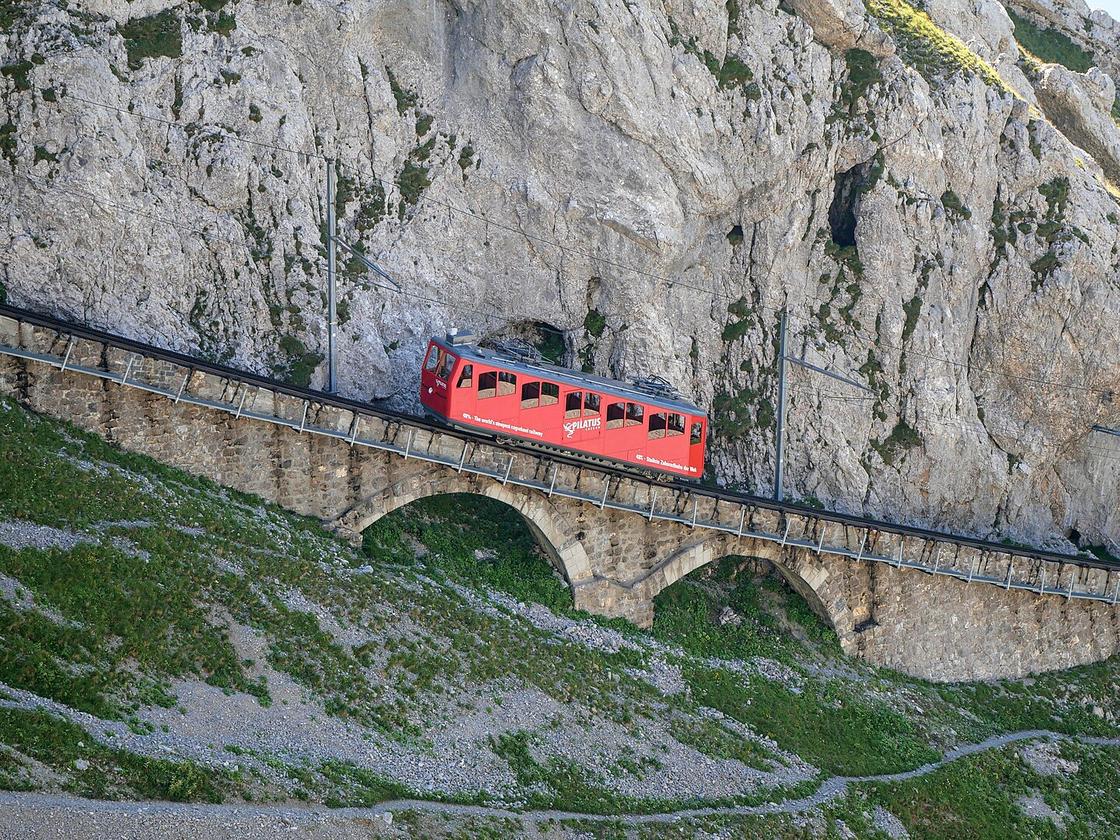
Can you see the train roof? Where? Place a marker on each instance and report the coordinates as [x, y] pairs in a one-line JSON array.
[[664, 396]]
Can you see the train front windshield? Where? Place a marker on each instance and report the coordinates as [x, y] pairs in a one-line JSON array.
[[440, 362]]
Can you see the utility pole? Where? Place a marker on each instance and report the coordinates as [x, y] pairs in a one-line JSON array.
[[1105, 430], [332, 382], [783, 358], [780, 443]]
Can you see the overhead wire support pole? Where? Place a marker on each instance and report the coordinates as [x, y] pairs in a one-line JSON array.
[[779, 442], [332, 382]]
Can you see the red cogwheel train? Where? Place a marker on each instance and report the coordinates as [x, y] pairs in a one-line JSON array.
[[509, 392]]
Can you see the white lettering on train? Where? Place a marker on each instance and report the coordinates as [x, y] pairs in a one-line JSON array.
[[498, 424], [579, 425]]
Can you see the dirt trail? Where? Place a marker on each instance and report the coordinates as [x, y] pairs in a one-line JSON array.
[[34, 815]]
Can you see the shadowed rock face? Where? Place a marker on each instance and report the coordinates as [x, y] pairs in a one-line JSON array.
[[512, 162]]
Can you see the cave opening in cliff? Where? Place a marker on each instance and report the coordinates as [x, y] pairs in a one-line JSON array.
[[844, 209], [547, 338]]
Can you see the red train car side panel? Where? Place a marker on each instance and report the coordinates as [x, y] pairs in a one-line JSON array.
[[560, 408]]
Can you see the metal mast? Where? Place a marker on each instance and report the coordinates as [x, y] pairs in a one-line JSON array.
[[780, 443], [331, 370]]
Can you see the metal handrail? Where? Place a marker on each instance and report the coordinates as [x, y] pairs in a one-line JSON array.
[[245, 377]]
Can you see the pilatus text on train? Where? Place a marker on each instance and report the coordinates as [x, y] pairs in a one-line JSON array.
[[509, 392]]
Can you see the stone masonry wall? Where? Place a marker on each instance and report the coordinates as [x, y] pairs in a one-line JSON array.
[[616, 562]]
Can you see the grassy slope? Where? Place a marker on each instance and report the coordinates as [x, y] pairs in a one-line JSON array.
[[128, 625]]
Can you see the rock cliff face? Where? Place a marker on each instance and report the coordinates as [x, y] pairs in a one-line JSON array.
[[655, 178]]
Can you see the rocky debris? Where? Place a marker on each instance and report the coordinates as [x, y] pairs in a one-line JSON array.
[[122, 525], [889, 824], [729, 616], [1045, 759], [662, 675], [18, 535], [127, 546], [1035, 806]]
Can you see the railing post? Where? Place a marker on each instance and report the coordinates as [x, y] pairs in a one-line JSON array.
[[183, 386], [128, 368], [244, 394], [606, 489], [66, 358]]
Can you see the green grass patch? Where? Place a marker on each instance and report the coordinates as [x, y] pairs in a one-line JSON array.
[[155, 36], [903, 437], [108, 773], [475, 539], [826, 723], [928, 48], [1050, 45], [713, 740]]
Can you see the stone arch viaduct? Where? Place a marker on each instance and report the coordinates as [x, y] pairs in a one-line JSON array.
[[938, 607]]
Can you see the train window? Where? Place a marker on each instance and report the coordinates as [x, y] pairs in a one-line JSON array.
[[676, 425], [615, 413], [657, 422], [572, 404], [466, 376], [634, 414], [488, 385], [507, 383], [433, 358], [697, 433], [445, 365], [550, 393], [530, 395], [591, 405]]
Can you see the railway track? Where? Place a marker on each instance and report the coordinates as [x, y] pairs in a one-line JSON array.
[[713, 496]]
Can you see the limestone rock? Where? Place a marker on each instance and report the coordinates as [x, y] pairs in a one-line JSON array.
[[656, 179], [1079, 105], [843, 25]]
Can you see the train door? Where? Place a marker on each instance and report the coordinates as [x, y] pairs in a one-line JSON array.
[[697, 438], [435, 379]]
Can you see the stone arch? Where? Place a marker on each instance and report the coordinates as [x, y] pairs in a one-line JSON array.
[[549, 526], [797, 566]]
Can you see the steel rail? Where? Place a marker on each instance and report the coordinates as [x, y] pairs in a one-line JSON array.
[[786, 509]]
